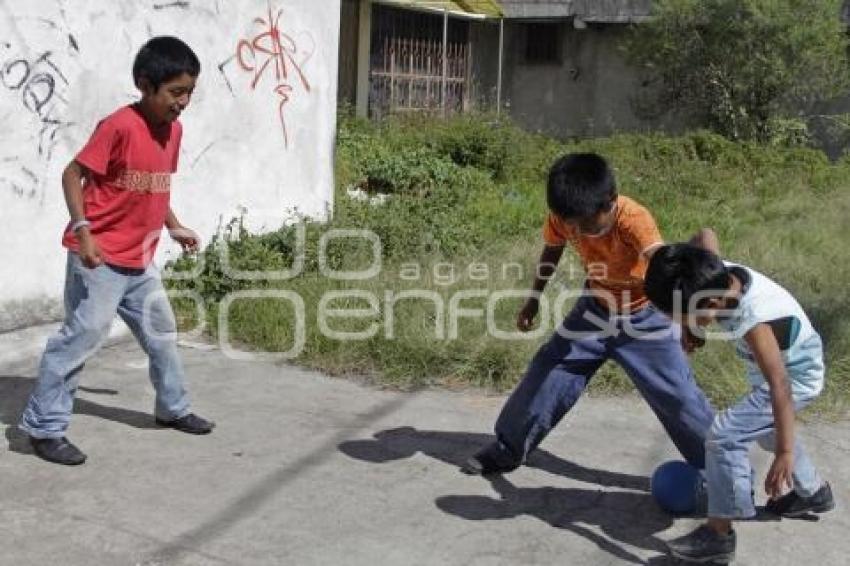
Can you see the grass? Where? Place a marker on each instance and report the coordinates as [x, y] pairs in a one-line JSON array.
[[465, 197]]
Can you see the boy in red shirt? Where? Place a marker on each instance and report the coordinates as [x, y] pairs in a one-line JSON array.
[[118, 191]]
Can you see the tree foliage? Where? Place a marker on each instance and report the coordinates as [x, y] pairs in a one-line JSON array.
[[738, 65]]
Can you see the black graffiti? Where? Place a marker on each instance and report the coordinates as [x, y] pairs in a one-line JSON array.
[[18, 189], [47, 135], [22, 192], [221, 67], [40, 84], [20, 68], [38, 92], [183, 5], [37, 83], [33, 177]]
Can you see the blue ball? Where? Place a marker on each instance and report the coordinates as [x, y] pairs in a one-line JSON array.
[[676, 487]]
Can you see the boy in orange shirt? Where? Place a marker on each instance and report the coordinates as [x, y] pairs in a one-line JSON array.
[[613, 320]]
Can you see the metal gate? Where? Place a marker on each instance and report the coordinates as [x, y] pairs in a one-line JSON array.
[[407, 71]]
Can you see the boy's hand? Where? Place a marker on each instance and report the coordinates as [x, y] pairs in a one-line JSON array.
[[691, 342], [187, 238], [525, 318], [780, 475], [90, 253]]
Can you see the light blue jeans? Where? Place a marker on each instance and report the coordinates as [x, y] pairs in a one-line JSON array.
[[92, 298], [728, 472]]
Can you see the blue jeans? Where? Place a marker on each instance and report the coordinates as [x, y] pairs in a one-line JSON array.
[[728, 472], [646, 344], [92, 298]]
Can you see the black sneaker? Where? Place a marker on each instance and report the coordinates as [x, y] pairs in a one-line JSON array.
[[191, 424], [492, 459], [792, 505], [703, 546], [57, 450]]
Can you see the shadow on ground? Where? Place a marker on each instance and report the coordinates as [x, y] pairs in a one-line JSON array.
[[455, 448], [621, 516], [15, 389], [607, 517]]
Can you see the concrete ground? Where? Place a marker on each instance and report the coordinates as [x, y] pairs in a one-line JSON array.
[[306, 469]]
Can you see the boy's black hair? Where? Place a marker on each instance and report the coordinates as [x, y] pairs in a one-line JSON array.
[[683, 269], [580, 186], [164, 58]]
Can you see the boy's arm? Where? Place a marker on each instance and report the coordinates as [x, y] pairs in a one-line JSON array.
[[765, 349], [171, 221], [186, 237], [546, 266], [72, 186], [706, 239]]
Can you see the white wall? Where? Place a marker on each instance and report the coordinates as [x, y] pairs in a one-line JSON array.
[[65, 64]]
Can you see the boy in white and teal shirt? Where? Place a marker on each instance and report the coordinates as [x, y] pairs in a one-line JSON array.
[[784, 358]]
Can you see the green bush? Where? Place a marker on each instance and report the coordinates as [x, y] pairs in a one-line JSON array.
[[405, 170]]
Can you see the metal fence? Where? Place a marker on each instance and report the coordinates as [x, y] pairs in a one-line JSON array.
[[408, 73]]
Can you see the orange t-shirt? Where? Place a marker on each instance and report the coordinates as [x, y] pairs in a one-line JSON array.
[[614, 261]]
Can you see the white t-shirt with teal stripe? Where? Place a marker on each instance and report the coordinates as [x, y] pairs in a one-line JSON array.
[[764, 301]]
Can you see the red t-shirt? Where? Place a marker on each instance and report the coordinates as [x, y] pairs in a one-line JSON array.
[[127, 192]]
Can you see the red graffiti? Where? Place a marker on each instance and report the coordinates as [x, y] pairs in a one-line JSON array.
[[273, 49]]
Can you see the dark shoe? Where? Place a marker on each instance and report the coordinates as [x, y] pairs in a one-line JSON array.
[[58, 451], [703, 546], [792, 505], [492, 459], [191, 424]]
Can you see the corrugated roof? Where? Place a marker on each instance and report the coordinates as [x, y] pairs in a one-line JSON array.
[[603, 11], [613, 11], [537, 8], [488, 8]]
